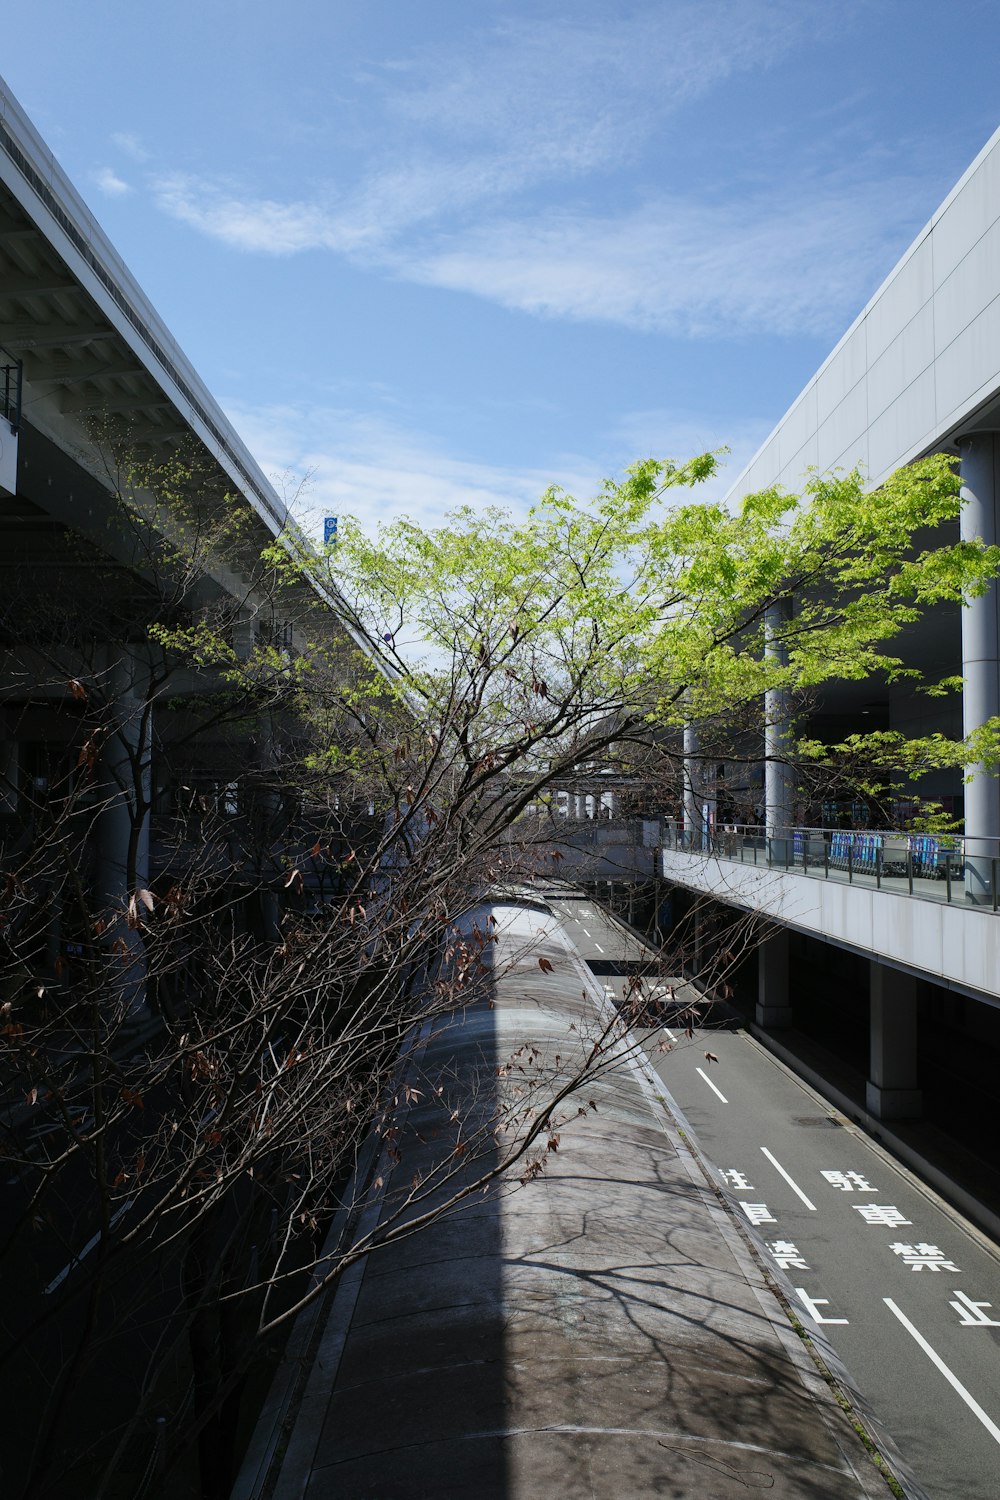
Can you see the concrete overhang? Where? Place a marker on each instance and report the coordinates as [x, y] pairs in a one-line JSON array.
[[89, 337], [954, 945], [91, 345]]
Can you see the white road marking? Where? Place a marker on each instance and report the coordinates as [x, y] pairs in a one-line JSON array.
[[973, 1314], [712, 1086], [791, 1182], [758, 1213], [57, 1281], [669, 1034], [953, 1380], [812, 1305], [739, 1181], [586, 933], [597, 946]]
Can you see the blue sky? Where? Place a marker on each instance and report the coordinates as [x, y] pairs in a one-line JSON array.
[[434, 252]]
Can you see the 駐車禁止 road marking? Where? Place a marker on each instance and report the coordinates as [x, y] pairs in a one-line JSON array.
[[813, 1304]]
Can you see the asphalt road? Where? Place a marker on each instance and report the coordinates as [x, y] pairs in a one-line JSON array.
[[904, 1290]]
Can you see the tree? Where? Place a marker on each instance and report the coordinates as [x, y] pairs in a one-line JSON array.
[[330, 798]]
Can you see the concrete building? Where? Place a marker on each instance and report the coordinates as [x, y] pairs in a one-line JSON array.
[[897, 945]]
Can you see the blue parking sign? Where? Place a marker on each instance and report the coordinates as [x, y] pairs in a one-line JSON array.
[[329, 530]]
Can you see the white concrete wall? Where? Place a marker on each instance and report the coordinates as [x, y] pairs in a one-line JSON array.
[[918, 361], [955, 944]]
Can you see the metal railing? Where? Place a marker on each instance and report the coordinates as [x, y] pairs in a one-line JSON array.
[[939, 867], [10, 388]]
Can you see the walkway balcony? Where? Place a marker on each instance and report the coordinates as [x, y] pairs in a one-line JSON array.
[[918, 903]]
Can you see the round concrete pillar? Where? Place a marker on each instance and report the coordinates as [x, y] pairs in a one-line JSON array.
[[779, 781], [981, 663], [691, 780]]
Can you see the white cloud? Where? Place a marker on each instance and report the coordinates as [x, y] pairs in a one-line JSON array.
[[131, 145], [568, 93], [788, 262], [360, 223], [351, 463], [245, 224], [335, 461], [109, 182], [501, 110], [467, 167], [782, 262]]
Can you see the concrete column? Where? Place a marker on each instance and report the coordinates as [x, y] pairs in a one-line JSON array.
[[981, 662], [10, 766], [774, 1008], [893, 1092], [244, 634], [690, 786], [53, 931], [779, 785], [699, 937], [267, 807], [123, 823]]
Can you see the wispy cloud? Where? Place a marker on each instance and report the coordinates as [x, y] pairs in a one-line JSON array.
[[129, 143], [336, 461], [109, 182], [570, 93], [790, 261], [330, 460], [475, 167], [253, 224], [787, 262]]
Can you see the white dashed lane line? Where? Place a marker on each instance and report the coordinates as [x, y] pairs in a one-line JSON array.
[[95, 1239], [712, 1086], [598, 947], [776, 1164], [953, 1380]]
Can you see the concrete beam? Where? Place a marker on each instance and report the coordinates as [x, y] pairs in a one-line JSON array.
[[27, 334], [35, 283], [96, 404]]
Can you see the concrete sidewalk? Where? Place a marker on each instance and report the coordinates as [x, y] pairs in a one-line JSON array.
[[602, 1331]]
